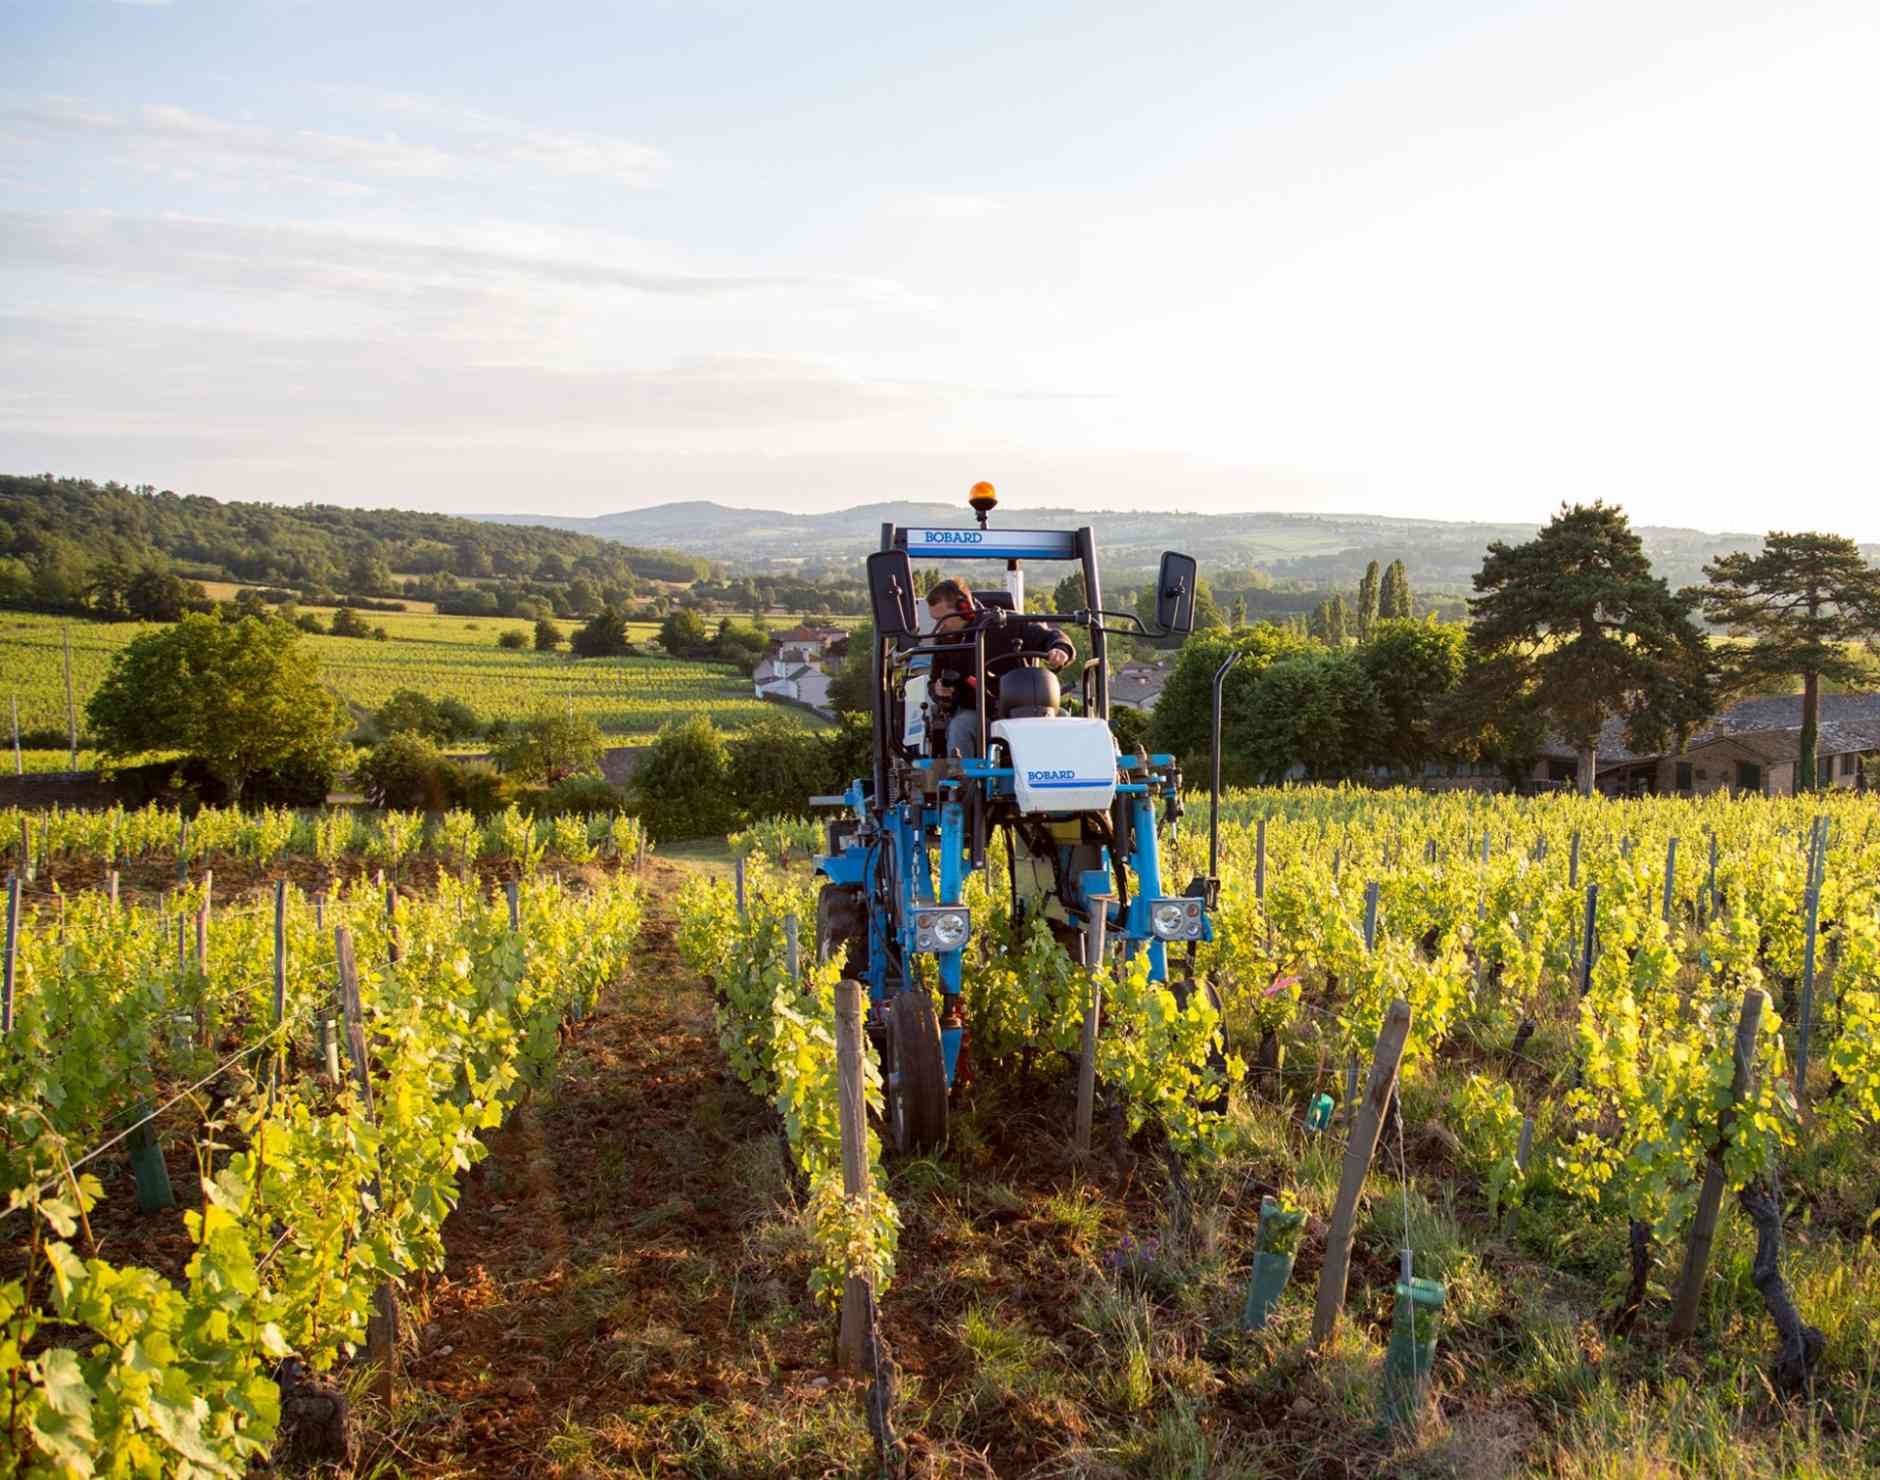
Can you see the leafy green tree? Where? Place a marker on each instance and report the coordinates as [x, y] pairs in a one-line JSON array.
[[547, 636], [1368, 602], [1414, 667], [1183, 717], [584, 597], [682, 785], [1393, 594], [550, 746], [1315, 710], [408, 710], [739, 643], [1801, 603], [105, 595], [1574, 628], [683, 634], [241, 697], [1238, 617], [604, 636], [1069, 594], [162, 596], [852, 689]]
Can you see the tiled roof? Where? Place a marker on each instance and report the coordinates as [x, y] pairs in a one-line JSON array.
[[1846, 721]]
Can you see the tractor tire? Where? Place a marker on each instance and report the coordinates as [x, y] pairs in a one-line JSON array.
[[1183, 990], [917, 1088], [842, 920]]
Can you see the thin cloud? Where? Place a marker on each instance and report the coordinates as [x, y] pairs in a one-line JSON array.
[[277, 258], [560, 151], [445, 142], [235, 385]]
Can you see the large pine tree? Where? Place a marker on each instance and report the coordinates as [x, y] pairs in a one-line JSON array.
[[1573, 628], [1802, 603]]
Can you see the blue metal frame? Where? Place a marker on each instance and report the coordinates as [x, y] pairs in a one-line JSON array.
[[903, 832]]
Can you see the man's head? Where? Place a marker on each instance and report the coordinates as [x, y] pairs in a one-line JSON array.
[[948, 599]]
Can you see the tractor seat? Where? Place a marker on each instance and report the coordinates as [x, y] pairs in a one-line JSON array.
[[1028, 693]]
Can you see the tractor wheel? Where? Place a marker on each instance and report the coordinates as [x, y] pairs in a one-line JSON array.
[[842, 920], [917, 1087], [1184, 989]]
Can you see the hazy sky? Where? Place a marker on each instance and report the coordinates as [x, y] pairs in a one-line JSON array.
[[1434, 258]]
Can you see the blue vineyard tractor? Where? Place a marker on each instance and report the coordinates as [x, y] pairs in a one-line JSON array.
[[1077, 818]]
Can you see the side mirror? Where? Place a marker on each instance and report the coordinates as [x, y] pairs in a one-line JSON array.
[[891, 593], [1175, 594]]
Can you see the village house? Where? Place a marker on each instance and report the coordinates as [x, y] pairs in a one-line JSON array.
[[1751, 747], [1138, 685], [805, 644]]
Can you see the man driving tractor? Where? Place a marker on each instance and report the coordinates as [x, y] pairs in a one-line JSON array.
[[956, 614]]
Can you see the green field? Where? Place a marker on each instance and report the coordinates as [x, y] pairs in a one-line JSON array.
[[454, 657]]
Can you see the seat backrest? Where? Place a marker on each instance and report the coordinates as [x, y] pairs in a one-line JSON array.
[[996, 597], [1028, 693]]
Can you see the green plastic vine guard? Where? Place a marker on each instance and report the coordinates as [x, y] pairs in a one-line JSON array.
[[154, 1193], [329, 1042], [1273, 1249], [1319, 1112], [1412, 1351]]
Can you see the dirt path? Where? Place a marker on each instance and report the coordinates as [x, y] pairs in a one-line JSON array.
[[618, 1296]]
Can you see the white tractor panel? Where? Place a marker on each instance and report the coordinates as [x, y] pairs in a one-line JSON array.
[[1060, 764]]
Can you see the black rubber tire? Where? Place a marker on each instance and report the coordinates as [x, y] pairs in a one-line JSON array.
[[1183, 990], [917, 1094], [842, 920]]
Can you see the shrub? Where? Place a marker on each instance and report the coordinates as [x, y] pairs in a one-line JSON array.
[[348, 623], [777, 765], [547, 636], [477, 786], [682, 786], [578, 794], [515, 637], [407, 771]]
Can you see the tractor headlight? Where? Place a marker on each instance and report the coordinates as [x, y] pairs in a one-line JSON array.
[[1175, 919], [942, 929]]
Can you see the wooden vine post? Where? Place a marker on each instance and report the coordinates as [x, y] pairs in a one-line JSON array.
[[852, 1333], [280, 987], [1817, 858], [1710, 1196], [1360, 1146], [382, 1324], [11, 965], [19, 761], [1093, 1011]]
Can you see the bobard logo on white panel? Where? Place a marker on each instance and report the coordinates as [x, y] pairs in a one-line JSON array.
[[952, 537]]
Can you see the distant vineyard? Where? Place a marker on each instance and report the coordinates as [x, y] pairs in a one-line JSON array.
[[626, 697]]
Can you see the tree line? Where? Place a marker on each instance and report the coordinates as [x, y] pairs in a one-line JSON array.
[[59, 537], [1566, 632]]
